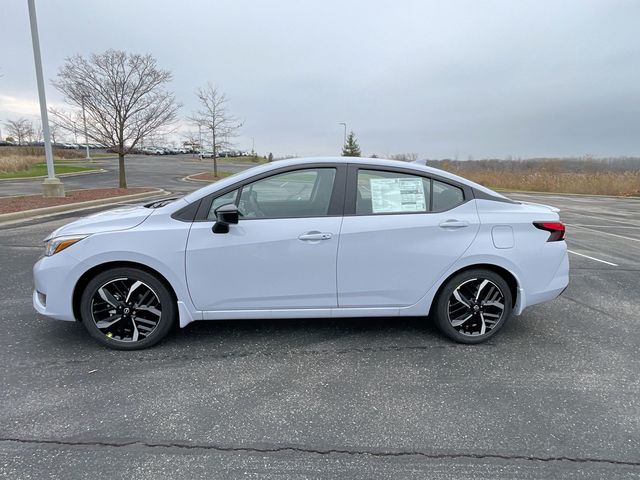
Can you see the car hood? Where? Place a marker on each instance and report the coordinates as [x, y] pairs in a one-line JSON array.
[[122, 218]]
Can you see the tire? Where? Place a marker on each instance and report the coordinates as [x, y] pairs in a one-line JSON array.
[[473, 306], [145, 307]]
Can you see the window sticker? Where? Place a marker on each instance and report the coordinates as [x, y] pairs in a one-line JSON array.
[[389, 195]]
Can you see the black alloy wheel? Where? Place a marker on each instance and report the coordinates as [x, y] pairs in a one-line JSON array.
[[473, 306], [127, 309]]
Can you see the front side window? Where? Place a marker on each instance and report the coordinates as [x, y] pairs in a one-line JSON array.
[[222, 200], [300, 193]]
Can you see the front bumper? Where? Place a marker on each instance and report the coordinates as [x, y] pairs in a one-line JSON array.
[[55, 278]]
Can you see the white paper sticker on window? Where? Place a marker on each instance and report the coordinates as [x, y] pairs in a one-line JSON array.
[[389, 195]]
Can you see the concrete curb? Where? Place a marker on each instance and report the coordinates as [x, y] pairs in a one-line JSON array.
[[189, 179], [62, 175], [25, 215]]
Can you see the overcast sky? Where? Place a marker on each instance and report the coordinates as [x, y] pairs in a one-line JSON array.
[[438, 78]]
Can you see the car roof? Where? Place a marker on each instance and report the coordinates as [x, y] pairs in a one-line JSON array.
[[374, 162]]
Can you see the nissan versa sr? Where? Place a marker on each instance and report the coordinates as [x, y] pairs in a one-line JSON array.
[[306, 238]]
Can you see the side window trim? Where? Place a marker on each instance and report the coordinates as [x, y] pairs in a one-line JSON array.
[[336, 203], [352, 185]]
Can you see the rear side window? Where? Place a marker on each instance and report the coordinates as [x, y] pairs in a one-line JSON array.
[[445, 196], [380, 192], [390, 192]]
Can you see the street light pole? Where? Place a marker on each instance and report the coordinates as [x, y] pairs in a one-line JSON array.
[[52, 186], [344, 142], [253, 145], [200, 140], [86, 137]]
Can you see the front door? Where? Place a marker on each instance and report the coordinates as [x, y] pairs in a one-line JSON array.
[[281, 254]]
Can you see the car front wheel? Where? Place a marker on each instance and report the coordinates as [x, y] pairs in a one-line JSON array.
[[473, 306], [127, 309]]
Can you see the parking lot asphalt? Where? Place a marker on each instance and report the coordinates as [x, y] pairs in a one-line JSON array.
[[555, 395], [142, 171]]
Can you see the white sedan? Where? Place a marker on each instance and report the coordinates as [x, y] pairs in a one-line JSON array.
[[307, 238]]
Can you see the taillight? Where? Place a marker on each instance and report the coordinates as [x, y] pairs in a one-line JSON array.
[[555, 228]]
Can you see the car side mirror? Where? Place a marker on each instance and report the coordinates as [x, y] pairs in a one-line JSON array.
[[225, 215]]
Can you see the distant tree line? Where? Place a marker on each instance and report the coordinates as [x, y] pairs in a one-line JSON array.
[[583, 164], [24, 131]]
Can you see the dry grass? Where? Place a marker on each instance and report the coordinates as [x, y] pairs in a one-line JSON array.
[[18, 163], [18, 159], [625, 183]]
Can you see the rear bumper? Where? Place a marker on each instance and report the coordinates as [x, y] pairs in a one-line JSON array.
[[557, 285]]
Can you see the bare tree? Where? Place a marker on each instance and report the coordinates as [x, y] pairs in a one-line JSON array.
[[38, 132], [405, 157], [213, 115], [124, 95], [21, 129], [191, 141], [69, 121], [54, 130]]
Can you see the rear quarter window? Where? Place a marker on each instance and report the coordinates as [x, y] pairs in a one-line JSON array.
[[445, 196]]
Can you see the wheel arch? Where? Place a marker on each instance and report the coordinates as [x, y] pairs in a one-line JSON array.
[[97, 269], [508, 277]]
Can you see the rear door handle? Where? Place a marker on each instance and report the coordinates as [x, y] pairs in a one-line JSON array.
[[314, 236], [454, 224]]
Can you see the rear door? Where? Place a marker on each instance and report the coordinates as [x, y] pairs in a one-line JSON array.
[[400, 233]]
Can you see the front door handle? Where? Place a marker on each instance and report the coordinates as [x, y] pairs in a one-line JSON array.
[[314, 236], [454, 224]]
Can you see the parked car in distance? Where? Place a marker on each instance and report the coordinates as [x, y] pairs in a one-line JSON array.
[[206, 154], [413, 241], [230, 153], [152, 151]]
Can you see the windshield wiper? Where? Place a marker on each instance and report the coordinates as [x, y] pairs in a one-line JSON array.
[[161, 203]]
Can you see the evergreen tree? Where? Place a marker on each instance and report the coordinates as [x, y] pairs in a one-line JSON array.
[[351, 147]]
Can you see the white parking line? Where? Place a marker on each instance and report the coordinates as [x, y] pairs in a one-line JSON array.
[[601, 226], [570, 211], [605, 233], [593, 258]]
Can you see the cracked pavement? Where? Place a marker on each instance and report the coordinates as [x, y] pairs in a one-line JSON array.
[[555, 395]]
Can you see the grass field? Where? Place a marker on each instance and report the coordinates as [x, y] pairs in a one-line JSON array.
[[40, 170], [560, 176], [95, 155], [18, 162], [612, 183], [250, 159]]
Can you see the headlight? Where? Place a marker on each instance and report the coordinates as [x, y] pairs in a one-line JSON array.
[[58, 244]]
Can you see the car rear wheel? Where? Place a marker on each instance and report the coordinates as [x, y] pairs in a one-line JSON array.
[[473, 306], [127, 309]]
